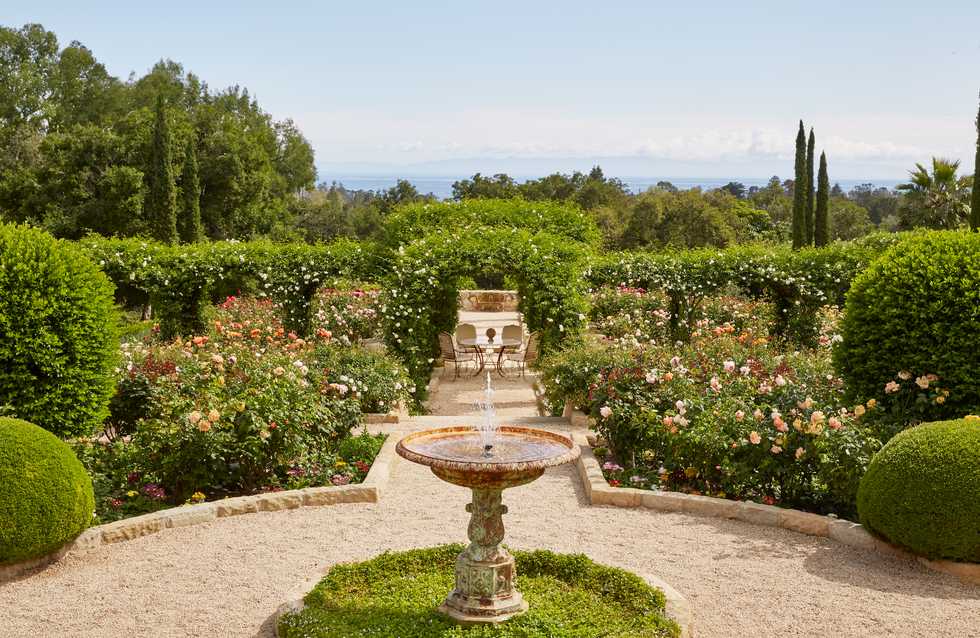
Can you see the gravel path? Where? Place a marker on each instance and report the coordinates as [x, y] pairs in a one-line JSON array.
[[227, 577]]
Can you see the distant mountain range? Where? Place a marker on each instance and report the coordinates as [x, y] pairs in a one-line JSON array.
[[622, 167]]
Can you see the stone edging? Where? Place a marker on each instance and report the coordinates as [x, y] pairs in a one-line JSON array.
[[599, 493], [370, 491], [676, 606]]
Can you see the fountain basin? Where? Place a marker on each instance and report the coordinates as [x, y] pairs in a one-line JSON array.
[[520, 455]]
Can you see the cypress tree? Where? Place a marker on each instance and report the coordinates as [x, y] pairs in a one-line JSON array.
[[190, 221], [821, 217], [809, 191], [163, 191], [800, 192], [975, 197]]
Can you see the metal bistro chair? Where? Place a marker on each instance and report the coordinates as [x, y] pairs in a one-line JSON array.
[[449, 354], [466, 331], [526, 357]]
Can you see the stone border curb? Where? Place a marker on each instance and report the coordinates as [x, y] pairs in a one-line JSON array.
[[598, 492], [370, 491], [676, 606]]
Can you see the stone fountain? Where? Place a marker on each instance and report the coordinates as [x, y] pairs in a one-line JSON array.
[[487, 459]]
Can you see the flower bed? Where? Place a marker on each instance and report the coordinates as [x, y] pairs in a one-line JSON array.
[[243, 408], [729, 412]]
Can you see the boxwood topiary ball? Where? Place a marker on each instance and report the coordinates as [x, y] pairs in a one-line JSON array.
[[916, 309], [46, 497], [921, 492]]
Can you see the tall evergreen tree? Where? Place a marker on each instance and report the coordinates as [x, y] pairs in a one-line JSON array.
[[809, 190], [189, 222], [975, 196], [163, 190], [800, 192], [821, 217]]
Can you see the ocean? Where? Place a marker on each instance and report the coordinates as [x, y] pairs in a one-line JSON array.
[[442, 185]]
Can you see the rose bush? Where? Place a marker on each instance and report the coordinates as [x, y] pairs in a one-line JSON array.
[[727, 413]]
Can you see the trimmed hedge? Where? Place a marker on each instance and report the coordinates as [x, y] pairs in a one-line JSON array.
[[58, 335], [921, 492], [917, 310], [46, 497]]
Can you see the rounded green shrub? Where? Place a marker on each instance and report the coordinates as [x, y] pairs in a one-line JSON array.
[[921, 492], [58, 328], [46, 497], [916, 310]]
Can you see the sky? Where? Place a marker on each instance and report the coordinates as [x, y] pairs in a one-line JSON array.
[[883, 84]]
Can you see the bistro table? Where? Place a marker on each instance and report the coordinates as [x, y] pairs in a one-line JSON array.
[[481, 344]]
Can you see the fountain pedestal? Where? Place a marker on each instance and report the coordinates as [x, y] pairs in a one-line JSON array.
[[485, 571]]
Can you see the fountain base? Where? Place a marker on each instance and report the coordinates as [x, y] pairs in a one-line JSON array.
[[485, 590]]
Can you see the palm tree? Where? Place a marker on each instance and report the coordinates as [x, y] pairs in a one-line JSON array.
[[938, 201]]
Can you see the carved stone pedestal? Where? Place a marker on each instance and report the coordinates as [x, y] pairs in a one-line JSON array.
[[485, 571]]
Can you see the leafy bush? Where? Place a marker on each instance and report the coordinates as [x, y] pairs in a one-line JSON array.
[[362, 447], [922, 491], [728, 413], [46, 497], [59, 332], [568, 374], [916, 311], [395, 595]]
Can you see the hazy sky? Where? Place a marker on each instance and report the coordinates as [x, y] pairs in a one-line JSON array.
[[881, 82]]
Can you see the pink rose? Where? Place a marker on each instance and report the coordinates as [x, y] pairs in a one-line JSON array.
[[890, 387], [715, 384], [755, 438], [780, 381], [776, 449], [605, 411], [739, 415], [729, 366]]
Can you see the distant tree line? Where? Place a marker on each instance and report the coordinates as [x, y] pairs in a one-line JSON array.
[[161, 156]]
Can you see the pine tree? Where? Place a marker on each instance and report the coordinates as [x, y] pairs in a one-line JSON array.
[[809, 191], [800, 192], [163, 191], [975, 197], [821, 217], [190, 220]]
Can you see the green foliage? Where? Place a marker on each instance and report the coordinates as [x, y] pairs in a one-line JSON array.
[[684, 220], [46, 496], [916, 311], [59, 332], [798, 282], [179, 279], [922, 491], [396, 595], [86, 152], [938, 201], [363, 447], [810, 201], [376, 378], [975, 194], [800, 192], [821, 218], [189, 221], [568, 373], [497, 187], [163, 191], [421, 294], [415, 221], [724, 413]]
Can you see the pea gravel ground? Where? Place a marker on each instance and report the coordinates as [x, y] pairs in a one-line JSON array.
[[227, 577]]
